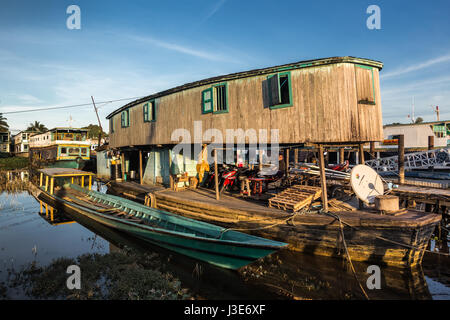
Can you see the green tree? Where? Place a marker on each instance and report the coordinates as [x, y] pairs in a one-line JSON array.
[[3, 124], [94, 131], [37, 126], [419, 120]]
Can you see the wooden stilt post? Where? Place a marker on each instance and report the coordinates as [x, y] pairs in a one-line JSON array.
[[51, 213], [46, 210], [140, 166], [82, 181], [295, 156], [430, 142], [341, 155], [401, 158], [323, 180], [122, 165], [216, 174], [90, 182], [286, 162], [46, 183], [372, 150], [40, 202], [41, 179], [361, 153], [260, 159], [361, 161]]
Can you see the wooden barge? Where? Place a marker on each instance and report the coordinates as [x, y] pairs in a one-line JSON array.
[[388, 240]]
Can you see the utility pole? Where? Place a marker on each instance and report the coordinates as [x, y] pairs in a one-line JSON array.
[[99, 123]]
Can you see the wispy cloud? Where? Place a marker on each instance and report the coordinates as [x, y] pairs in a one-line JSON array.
[[182, 49], [416, 67], [216, 8]]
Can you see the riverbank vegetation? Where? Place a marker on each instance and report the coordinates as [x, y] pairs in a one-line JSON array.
[[123, 275], [12, 163]]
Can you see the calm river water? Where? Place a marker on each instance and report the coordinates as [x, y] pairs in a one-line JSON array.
[[27, 236]]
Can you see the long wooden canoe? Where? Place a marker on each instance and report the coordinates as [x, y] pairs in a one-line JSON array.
[[207, 242]]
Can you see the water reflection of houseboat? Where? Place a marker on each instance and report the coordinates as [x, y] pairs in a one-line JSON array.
[[60, 147]]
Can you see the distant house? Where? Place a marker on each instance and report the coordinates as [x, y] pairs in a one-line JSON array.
[[5, 142], [21, 143], [416, 135]]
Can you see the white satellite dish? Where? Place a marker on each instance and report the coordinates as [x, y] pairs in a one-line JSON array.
[[366, 183]]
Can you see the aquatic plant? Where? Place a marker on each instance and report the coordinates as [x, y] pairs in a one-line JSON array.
[[123, 275]]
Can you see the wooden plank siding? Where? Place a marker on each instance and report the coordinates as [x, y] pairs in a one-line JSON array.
[[324, 109]]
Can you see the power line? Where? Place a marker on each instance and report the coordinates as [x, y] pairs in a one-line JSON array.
[[70, 106]]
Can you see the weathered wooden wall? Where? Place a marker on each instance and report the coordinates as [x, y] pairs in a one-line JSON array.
[[325, 109]]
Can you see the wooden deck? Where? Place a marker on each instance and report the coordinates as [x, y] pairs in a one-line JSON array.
[[236, 210], [434, 196]]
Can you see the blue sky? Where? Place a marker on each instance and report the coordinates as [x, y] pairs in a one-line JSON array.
[[135, 48]]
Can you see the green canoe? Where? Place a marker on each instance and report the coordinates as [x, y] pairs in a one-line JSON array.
[[207, 242]]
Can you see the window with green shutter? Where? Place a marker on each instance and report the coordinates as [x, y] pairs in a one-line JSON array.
[[215, 99], [280, 90], [150, 111], [111, 124], [125, 118], [207, 100]]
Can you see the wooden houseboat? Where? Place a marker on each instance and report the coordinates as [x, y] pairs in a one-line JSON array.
[[60, 147], [324, 103]]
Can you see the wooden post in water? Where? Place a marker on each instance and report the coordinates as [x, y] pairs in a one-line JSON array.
[[216, 174], [401, 158], [430, 142], [46, 183], [41, 178], [323, 180], [295, 156], [140, 166], [90, 182]]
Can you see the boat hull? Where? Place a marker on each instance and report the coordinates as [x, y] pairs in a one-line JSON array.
[[221, 254]]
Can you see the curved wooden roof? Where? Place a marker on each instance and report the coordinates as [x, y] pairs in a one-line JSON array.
[[245, 74]]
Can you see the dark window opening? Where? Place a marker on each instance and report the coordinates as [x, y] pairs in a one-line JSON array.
[[284, 89], [221, 99]]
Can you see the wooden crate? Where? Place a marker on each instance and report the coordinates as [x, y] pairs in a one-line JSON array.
[[295, 198]]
